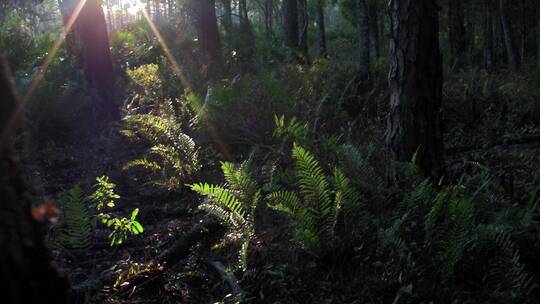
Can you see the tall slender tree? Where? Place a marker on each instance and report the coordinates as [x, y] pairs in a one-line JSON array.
[[303, 24], [538, 38], [363, 37], [374, 41], [321, 29], [226, 19], [509, 38], [415, 80], [208, 35], [456, 30], [269, 19], [290, 24]]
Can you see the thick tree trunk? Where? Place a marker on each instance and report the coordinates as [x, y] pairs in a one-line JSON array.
[[415, 81], [456, 30], [209, 42], [363, 38], [509, 38], [303, 23], [321, 30], [26, 272], [290, 24], [374, 41], [88, 44], [97, 60]]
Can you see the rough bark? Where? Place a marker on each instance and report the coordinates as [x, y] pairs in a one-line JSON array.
[[374, 41], [509, 39], [290, 24], [415, 81], [303, 23], [209, 41], [88, 43], [363, 38], [456, 30], [321, 30], [26, 271]]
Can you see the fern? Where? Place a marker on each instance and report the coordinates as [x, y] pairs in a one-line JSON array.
[[173, 155], [315, 208], [76, 232], [233, 204]]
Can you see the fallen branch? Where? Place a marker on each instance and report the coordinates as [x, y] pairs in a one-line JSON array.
[[228, 277], [182, 247]]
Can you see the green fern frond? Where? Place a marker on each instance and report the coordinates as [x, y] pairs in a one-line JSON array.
[[284, 201], [77, 229], [144, 163], [220, 197], [231, 219]]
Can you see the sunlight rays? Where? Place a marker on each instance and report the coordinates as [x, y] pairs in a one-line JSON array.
[[175, 66], [43, 70], [185, 83]]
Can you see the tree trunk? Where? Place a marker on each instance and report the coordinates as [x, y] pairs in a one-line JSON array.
[[303, 23], [26, 271], [489, 52], [538, 39], [321, 30], [415, 81], [290, 24], [97, 60], [509, 40], [456, 30], [209, 42], [269, 20], [227, 17], [374, 42], [88, 42], [363, 38]]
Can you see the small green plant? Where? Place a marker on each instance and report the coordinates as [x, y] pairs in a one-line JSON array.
[[105, 199], [76, 233], [234, 204], [315, 207]]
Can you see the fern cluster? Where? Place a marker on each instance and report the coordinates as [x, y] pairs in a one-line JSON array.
[[234, 204], [451, 233], [172, 157], [315, 207]]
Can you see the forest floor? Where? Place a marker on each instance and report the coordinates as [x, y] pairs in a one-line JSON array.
[[506, 143]]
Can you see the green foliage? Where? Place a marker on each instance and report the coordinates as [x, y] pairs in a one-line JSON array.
[[314, 209], [239, 111], [146, 78], [172, 157], [454, 231], [105, 198], [104, 195], [234, 204], [76, 232]]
